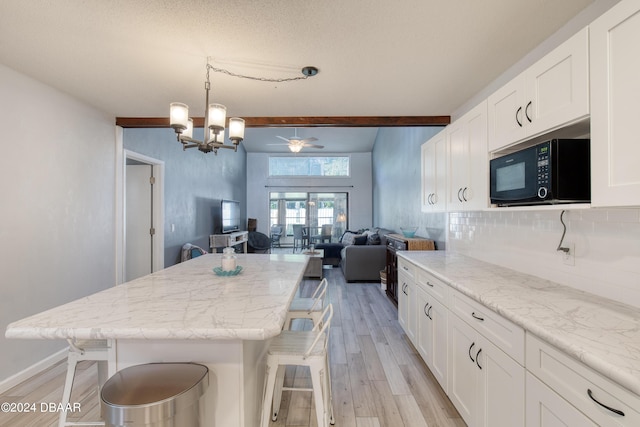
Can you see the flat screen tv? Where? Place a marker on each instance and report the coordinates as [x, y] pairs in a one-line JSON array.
[[230, 216]]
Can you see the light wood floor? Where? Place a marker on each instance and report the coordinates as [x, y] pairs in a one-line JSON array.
[[378, 378]]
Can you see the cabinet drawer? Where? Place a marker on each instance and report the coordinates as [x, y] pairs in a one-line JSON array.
[[572, 380], [433, 285], [506, 335], [406, 267]]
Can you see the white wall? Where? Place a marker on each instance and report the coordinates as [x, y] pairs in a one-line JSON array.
[[358, 185], [607, 246], [57, 184]]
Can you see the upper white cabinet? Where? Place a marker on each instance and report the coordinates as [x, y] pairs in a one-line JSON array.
[[551, 93], [615, 93], [434, 174], [467, 161]]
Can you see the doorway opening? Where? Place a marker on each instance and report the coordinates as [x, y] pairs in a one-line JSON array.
[[141, 217]]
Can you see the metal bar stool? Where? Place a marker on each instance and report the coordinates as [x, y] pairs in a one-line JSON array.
[[309, 308], [96, 350], [300, 348]]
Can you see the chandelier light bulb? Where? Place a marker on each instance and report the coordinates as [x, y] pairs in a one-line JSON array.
[[189, 131], [236, 129], [217, 116], [178, 116]]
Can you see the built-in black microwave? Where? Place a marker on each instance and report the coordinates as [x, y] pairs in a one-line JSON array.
[[555, 171]]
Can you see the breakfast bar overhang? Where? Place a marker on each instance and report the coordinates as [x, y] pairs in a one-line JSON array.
[[186, 313]]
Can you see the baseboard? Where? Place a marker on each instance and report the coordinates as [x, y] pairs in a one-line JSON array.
[[32, 370]]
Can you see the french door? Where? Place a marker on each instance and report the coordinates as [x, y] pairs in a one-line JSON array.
[[311, 209]]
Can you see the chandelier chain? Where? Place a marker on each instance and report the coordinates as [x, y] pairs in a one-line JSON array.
[[242, 76]]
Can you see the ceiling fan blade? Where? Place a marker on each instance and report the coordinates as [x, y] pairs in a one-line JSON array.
[[282, 138], [311, 139], [313, 145]]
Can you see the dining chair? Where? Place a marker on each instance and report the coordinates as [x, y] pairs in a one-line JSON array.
[[325, 234], [276, 235], [300, 348], [300, 236]]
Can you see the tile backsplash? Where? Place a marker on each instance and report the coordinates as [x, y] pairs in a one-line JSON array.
[[607, 246]]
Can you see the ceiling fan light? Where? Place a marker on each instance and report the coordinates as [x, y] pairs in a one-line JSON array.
[[178, 116], [236, 129], [295, 148], [217, 116]]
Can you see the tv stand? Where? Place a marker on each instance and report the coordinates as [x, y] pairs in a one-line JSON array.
[[230, 239]]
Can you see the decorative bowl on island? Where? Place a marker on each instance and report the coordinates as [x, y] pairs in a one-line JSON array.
[[408, 232], [220, 272]]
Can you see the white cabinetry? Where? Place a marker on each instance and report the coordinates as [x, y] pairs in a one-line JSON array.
[[551, 93], [615, 93], [601, 400], [434, 174], [407, 299], [545, 408], [485, 384], [431, 334], [467, 161]]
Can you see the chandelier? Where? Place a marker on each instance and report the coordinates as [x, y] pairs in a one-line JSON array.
[[215, 117]]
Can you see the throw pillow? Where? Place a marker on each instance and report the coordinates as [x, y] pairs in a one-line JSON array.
[[374, 239], [360, 240], [348, 238]]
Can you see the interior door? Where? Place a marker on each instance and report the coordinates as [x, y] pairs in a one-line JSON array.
[[139, 221]]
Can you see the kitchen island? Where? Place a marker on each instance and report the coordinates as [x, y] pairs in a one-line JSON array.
[[186, 313]]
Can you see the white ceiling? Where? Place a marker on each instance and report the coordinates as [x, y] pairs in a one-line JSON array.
[[130, 58]]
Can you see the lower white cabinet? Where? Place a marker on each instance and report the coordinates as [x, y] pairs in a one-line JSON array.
[[545, 408], [601, 400], [431, 335], [492, 370], [485, 385], [407, 304]]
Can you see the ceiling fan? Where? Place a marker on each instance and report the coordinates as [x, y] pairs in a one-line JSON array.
[[295, 143]]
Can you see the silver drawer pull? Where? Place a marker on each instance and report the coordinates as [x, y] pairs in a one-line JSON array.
[[405, 268], [477, 317], [429, 283], [615, 411]]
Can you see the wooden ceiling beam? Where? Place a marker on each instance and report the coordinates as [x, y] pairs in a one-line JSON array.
[[328, 121]]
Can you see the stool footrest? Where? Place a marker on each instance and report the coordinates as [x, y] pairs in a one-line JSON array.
[[296, 389]]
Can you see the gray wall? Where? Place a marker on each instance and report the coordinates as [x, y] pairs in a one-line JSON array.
[[195, 183], [57, 216], [396, 183]]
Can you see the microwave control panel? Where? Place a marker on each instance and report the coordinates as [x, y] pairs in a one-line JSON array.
[[544, 156]]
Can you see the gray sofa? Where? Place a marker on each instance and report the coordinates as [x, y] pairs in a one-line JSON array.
[[364, 262]]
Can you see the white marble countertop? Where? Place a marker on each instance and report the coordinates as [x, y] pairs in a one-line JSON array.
[[603, 334], [185, 301]]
